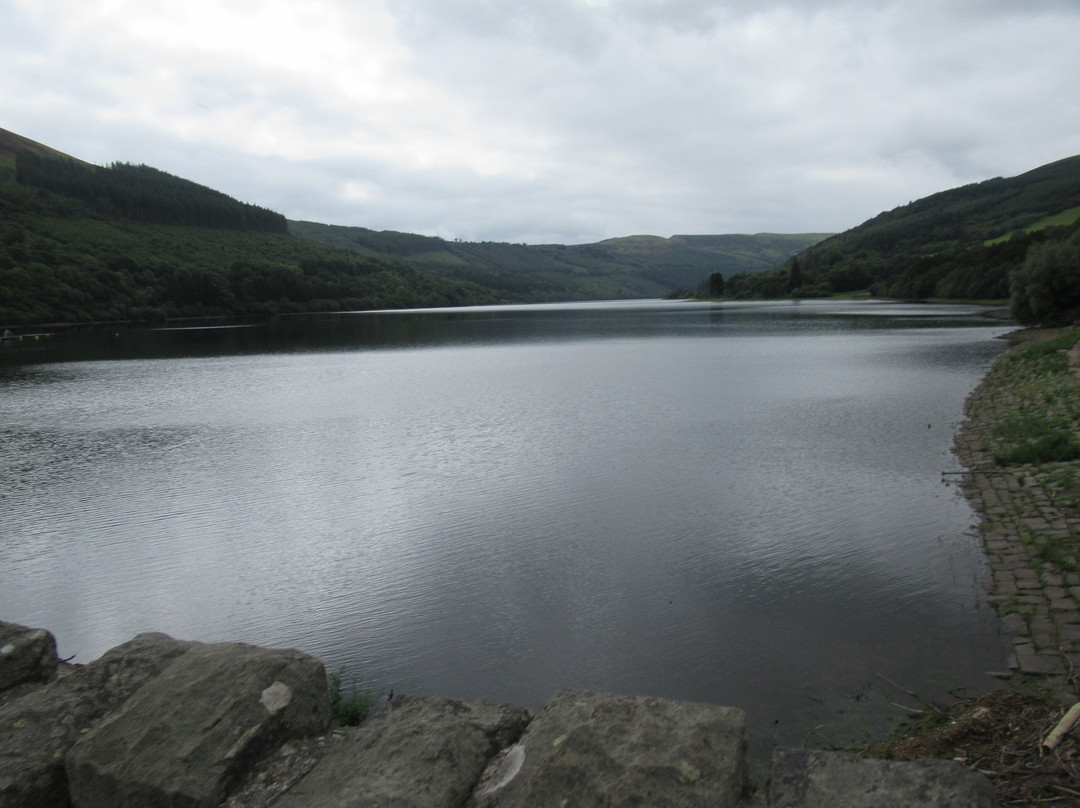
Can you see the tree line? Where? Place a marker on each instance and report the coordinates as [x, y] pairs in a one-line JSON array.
[[1038, 272]]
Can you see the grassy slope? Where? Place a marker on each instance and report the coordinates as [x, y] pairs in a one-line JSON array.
[[970, 214], [956, 244], [1062, 219], [11, 144]]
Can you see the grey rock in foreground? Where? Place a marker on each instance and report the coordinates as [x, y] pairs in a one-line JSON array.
[[26, 655], [37, 730], [801, 778], [190, 734], [586, 748], [415, 753], [159, 722]]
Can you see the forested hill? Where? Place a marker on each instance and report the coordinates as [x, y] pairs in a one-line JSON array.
[[90, 244], [632, 266], [961, 244], [87, 243], [143, 194]]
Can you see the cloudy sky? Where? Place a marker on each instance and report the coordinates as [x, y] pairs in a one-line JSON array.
[[553, 120]]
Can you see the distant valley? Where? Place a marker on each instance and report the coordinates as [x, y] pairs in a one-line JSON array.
[[618, 268]]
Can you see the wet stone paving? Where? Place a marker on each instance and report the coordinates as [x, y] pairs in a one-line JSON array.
[[1027, 525]]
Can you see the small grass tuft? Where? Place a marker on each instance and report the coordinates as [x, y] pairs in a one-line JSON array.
[[1013, 606], [1046, 347], [347, 711], [1056, 551], [1056, 446]]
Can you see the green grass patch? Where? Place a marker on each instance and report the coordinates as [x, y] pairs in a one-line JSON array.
[[1057, 551], [1063, 219], [1047, 347], [1054, 447], [347, 711], [1042, 420], [1062, 478], [1013, 606], [1024, 429]]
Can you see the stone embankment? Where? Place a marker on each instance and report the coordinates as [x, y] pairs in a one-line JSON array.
[[1030, 523], [162, 722]]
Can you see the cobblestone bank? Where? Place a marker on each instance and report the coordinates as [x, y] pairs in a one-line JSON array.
[[1030, 514]]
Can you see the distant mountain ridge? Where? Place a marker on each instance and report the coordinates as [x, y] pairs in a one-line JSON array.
[[626, 267]]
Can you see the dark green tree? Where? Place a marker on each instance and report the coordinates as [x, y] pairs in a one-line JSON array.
[[795, 278], [1045, 289]]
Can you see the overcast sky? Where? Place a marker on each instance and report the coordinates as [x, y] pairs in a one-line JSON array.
[[553, 120]]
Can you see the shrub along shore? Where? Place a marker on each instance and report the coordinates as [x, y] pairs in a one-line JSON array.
[[1019, 444]]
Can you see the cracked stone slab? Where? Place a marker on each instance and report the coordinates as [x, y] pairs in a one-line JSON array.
[[589, 748], [188, 736], [417, 752]]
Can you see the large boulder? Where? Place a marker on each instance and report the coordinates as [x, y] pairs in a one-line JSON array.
[[588, 748], [801, 778], [188, 736], [37, 730], [26, 655], [415, 753]]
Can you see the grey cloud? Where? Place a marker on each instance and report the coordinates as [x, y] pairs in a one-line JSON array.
[[562, 26], [575, 121]]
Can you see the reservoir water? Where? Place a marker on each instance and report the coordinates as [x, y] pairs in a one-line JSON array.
[[732, 503]]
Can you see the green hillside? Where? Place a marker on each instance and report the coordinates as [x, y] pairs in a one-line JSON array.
[[142, 193], [1062, 219], [87, 243], [964, 243], [629, 267], [143, 249]]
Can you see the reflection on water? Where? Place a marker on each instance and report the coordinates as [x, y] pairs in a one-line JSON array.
[[739, 504]]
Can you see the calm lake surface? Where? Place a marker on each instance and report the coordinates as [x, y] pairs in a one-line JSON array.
[[732, 503]]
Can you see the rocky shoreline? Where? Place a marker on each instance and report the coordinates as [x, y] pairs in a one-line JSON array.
[[158, 721]]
